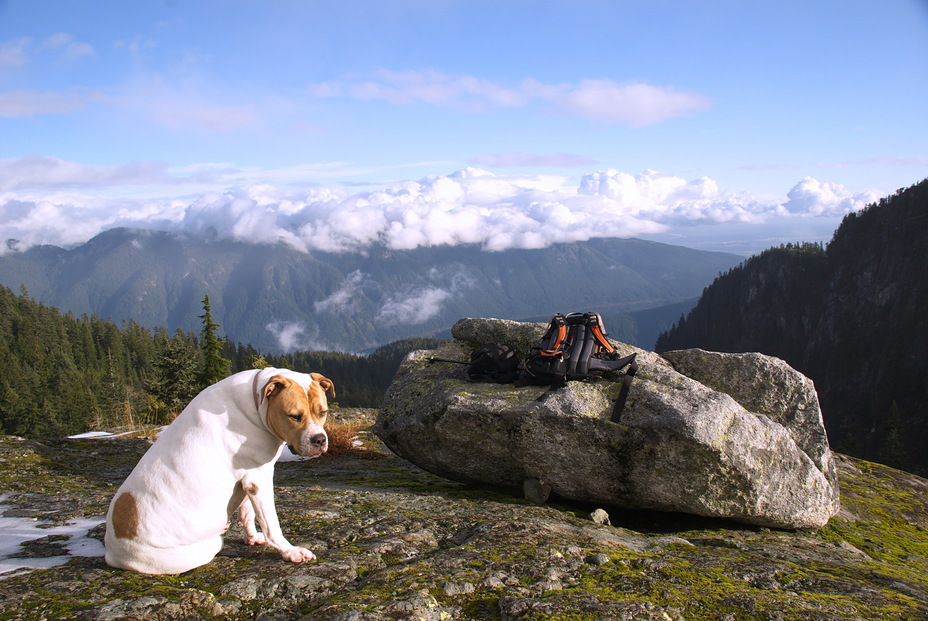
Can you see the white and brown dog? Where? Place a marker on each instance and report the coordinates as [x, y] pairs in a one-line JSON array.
[[217, 458]]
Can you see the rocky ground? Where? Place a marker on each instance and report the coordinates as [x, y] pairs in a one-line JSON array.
[[394, 542]]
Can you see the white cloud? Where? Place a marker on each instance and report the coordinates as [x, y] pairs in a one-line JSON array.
[[21, 103], [901, 161], [16, 52], [184, 105], [344, 299], [414, 308], [633, 104], [430, 87], [13, 53], [211, 118], [51, 201], [810, 197], [601, 100], [135, 45], [68, 46], [66, 218], [669, 199], [34, 171], [292, 336], [418, 305]]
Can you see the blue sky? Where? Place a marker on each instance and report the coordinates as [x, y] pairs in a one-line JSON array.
[[726, 125]]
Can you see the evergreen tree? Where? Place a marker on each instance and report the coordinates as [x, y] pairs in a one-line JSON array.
[[61, 374], [177, 374], [215, 367], [893, 451]]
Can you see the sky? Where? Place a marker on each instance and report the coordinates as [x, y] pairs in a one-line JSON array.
[[714, 124]]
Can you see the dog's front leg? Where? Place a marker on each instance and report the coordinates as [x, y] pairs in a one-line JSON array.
[[260, 498], [246, 519]]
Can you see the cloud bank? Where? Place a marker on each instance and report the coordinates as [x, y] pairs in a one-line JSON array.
[[50, 201]]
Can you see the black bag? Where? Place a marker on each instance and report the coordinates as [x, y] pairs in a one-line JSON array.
[[493, 362]]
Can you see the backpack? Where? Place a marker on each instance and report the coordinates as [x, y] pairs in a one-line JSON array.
[[574, 347], [493, 362]]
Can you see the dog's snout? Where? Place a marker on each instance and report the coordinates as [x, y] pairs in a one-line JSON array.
[[313, 444]]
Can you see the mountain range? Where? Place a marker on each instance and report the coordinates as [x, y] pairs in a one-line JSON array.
[[850, 315], [279, 299]]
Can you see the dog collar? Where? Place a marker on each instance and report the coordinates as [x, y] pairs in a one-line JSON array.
[[259, 397], [255, 393]]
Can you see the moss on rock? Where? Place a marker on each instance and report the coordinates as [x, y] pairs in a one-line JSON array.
[[395, 542]]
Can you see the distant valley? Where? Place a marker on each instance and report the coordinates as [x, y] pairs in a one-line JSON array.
[[279, 299]]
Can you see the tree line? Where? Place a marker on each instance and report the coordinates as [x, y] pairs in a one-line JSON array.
[[768, 283], [61, 374]]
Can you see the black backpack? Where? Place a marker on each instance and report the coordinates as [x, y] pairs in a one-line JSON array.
[[574, 347], [493, 362]]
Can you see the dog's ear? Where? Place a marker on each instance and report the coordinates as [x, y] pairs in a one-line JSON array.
[[275, 385], [324, 383]]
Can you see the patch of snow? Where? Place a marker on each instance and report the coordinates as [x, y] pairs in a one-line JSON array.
[[108, 434], [14, 532], [93, 434]]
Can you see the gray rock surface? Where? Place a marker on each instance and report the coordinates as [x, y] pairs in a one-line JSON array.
[[765, 385], [395, 542], [746, 442]]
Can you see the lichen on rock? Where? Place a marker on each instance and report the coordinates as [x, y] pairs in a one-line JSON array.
[[395, 542]]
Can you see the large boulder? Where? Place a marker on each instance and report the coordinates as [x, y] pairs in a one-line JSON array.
[[738, 436]]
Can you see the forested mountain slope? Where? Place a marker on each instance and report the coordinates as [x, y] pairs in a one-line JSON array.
[[852, 316], [62, 374]]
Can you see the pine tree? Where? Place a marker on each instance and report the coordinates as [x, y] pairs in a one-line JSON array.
[[893, 451], [177, 380], [215, 367]]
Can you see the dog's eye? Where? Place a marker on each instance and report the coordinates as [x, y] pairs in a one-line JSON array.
[[297, 418]]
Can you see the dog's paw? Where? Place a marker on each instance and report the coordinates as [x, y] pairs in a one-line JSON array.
[[297, 555], [255, 539]]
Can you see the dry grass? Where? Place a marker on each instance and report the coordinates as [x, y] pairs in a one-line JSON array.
[[346, 439]]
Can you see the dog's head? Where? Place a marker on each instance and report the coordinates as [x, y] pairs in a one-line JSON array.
[[296, 414]]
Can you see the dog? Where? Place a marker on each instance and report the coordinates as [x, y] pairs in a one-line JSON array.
[[217, 459]]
